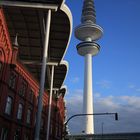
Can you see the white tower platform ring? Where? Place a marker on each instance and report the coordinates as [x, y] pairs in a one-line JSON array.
[[88, 48], [88, 30]]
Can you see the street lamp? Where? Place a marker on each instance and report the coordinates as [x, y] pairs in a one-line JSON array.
[[76, 115], [102, 128]]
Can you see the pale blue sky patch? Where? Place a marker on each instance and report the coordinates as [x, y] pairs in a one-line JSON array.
[[138, 89], [75, 80], [105, 84], [97, 95], [131, 86]]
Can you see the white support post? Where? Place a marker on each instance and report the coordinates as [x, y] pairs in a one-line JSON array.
[[42, 80], [50, 103]]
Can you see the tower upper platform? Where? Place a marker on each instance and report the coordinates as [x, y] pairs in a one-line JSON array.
[[88, 27]]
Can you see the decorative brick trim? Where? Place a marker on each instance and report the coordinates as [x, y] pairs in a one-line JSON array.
[[5, 42]]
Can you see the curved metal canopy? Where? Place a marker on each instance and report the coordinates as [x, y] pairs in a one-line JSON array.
[[63, 90], [60, 73], [28, 25]]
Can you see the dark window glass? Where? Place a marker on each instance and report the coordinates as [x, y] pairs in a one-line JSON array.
[[23, 88], [12, 80], [0, 66], [8, 107], [4, 134], [26, 137], [28, 116], [56, 131], [37, 99], [17, 135], [31, 96], [42, 123], [51, 129], [20, 111]]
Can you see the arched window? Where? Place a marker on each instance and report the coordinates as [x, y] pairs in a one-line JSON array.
[[20, 110], [4, 134], [28, 116], [23, 88], [8, 107], [42, 123], [12, 80], [31, 96], [26, 137], [0, 66], [17, 135]]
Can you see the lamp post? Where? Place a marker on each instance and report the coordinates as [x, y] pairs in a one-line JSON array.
[[77, 115], [102, 128]]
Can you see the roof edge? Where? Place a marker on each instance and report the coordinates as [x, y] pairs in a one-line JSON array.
[[64, 87], [65, 9], [64, 62]]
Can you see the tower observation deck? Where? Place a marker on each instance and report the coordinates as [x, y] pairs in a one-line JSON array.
[[88, 32]]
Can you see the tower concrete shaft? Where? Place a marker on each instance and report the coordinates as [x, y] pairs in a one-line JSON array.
[[88, 100], [88, 32]]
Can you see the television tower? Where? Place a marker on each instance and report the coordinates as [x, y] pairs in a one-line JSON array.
[[88, 32]]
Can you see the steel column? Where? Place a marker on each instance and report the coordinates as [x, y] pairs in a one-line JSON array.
[[50, 102], [42, 80]]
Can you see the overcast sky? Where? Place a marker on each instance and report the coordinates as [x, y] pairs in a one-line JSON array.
[[116, 69]]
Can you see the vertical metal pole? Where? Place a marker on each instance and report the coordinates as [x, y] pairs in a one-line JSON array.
[[50, 102], [42, 80], [102, 128]]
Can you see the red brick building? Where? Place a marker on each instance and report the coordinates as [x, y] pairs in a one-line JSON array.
[[19, 78]]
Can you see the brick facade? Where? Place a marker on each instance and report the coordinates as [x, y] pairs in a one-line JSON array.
[[17, 84]]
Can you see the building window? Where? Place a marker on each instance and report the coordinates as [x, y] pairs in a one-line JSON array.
[[28, 116], [51, 129], [17, 135], [26, 137], [60, 130], [8, 107], [56, 131], [31, 96], [4, 134], [20, 110], [37, 100], [0, 66], [23, 88], [12, 80], [42, 123], [35, 119]]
